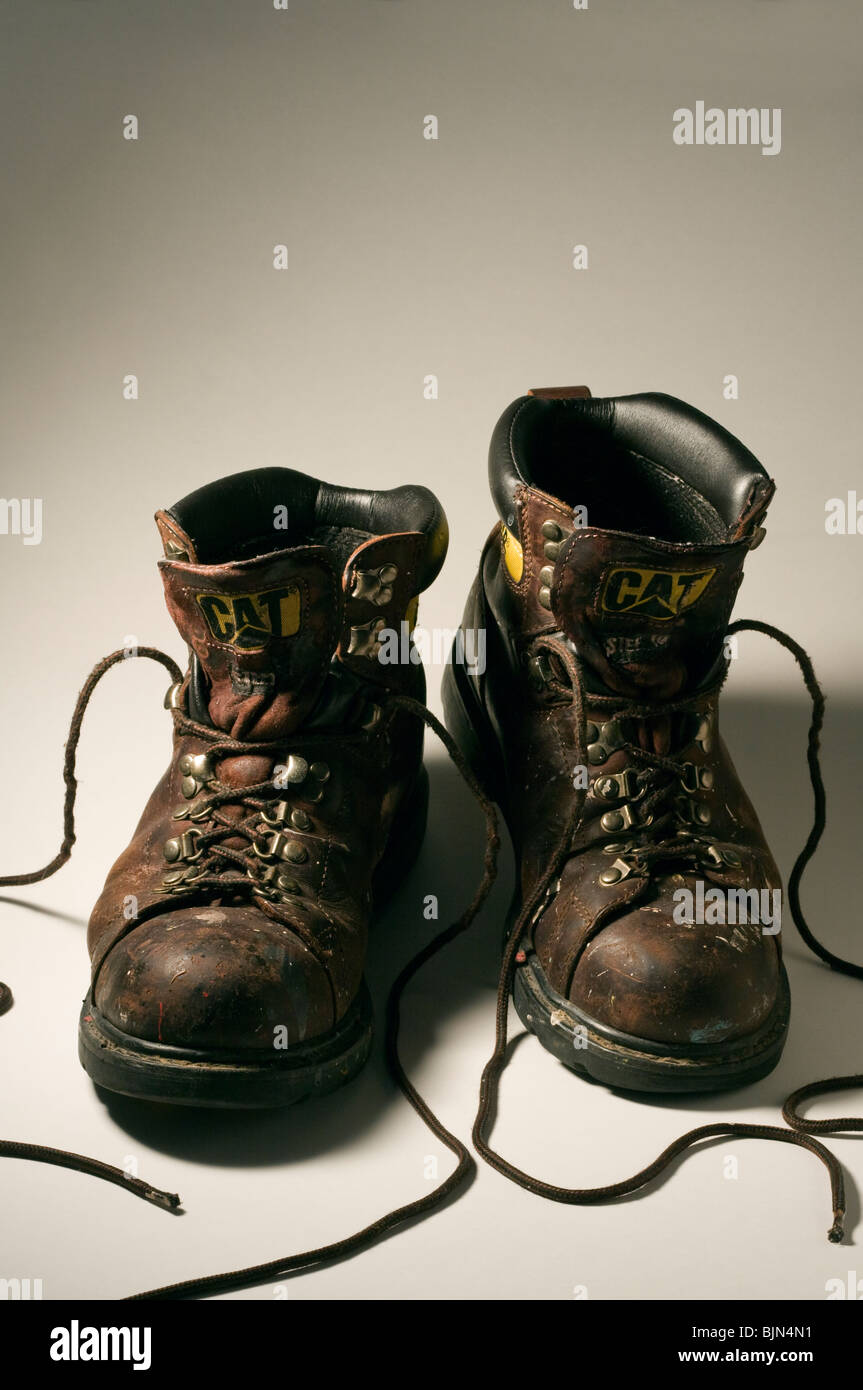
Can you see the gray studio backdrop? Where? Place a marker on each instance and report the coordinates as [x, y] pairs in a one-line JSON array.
[[411, 258]]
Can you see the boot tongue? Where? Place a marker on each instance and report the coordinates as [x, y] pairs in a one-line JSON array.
[[646, 616], [264, 631]]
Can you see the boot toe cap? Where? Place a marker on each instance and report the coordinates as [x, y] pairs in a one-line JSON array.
[[215, 978], [675, 984]]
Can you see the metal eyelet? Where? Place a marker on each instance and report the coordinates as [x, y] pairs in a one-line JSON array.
[[722, 855], [375, 586], [622, 819], [603, 741], [694, 778], [281, 846], [619, 786], [703, 736], [197, 771], [183, 847], [274, 884], [197, 811], [617, 872], [693, 812], [180, 879], [553, 538], [546, 579], [172, 696], [296, 769], [295, 853], [365, 638]]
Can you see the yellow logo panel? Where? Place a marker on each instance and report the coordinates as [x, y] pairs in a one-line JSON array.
[[513, 555], [658, 594], [250, 621]]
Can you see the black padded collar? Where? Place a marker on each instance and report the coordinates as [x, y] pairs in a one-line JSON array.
[[233, 517], [541, 443]]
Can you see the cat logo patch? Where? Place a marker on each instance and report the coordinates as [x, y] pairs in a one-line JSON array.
[[659, 594], [249, 621]]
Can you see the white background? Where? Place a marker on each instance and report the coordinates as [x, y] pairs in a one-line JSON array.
[[410, 257]]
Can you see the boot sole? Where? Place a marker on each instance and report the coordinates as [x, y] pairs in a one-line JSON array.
[[179, 1076], [588, 1047], [638, 1064]]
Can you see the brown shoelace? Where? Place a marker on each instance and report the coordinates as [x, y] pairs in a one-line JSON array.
[[800, 1130]]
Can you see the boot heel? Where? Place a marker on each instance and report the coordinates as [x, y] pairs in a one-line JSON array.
[[468, 723], [404, 844]]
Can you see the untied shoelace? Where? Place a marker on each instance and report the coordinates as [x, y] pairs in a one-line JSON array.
[[800, 1130]]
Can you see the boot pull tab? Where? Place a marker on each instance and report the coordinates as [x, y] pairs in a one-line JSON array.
[[560, 393], [757, 537]]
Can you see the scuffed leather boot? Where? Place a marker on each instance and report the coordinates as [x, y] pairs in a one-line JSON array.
[[605, 655], [229, 941]]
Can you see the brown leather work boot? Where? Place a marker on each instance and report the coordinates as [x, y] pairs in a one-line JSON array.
[[229, 941], [605, 593]]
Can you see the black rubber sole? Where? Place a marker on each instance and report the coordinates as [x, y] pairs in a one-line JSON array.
[[178, 1076], [580, 1042]]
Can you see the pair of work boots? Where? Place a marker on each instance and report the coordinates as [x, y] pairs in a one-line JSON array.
[[229, 941]]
